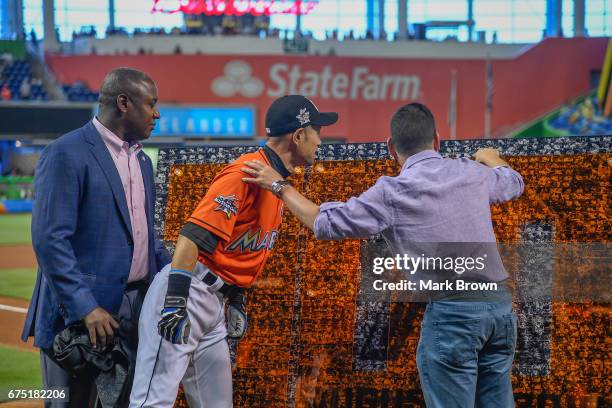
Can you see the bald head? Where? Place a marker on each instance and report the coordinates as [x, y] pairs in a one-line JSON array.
[[128, 81]]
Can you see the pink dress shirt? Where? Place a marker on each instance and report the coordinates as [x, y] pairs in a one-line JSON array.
[[126, 161]]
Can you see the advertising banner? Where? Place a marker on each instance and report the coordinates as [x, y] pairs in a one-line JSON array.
[[367, 91], [205, 121]]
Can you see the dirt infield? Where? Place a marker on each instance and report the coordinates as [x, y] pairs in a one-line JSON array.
[[12, 322], [23, 404], [17, 256]]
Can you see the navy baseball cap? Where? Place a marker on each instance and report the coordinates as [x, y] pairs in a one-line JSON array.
[[291, 112]]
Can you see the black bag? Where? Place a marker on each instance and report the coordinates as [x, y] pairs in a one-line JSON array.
[[112, 368]]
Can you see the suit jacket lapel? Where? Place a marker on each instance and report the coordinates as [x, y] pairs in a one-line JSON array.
[[147, 177], [104, 159]]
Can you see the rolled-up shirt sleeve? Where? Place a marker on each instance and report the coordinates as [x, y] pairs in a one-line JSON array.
[[504, 184], [359, 217]]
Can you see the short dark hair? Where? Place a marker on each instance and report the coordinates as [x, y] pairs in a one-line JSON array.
[[412, 128], [122, 80]]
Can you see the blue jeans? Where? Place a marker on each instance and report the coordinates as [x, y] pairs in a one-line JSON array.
[[465, 353]]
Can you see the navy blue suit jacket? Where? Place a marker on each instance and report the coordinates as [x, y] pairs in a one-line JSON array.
[[81, 233]]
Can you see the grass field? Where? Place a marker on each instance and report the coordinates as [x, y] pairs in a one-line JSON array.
[[17, 283], [15, 229], [18, 370]]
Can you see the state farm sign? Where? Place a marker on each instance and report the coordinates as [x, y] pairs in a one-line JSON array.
[[284, 78], [365, 92]]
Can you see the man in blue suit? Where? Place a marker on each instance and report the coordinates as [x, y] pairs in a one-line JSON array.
[[92, 227]]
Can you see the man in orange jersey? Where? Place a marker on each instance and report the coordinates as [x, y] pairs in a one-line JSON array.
[[221, 250]]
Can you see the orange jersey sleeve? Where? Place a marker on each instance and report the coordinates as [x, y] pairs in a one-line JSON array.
[[218, 209], [245, 217]]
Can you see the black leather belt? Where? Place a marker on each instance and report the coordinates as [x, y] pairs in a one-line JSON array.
[[138, 285], [226, 289]]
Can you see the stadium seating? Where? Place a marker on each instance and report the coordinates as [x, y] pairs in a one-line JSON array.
[[79, 92], [582, 118], [15, 72], [13, 75]]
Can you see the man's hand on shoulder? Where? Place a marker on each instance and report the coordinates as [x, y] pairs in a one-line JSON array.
[[262, 174], [489, 157], [101, 327]]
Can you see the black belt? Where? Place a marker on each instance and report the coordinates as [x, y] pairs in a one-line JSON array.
[[137, 285], [226, 289]]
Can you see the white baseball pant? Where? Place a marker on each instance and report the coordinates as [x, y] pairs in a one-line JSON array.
[[203, 364]]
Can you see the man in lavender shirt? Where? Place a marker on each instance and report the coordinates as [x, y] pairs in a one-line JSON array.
[[467, 339], [92, 229]]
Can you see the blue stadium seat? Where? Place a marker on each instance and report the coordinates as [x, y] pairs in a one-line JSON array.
[[583, 118]]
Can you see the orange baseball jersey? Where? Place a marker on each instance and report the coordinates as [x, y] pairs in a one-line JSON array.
[[245, 217]]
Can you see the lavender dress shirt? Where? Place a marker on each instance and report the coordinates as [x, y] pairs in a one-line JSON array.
[[126, 161], [432, 200]]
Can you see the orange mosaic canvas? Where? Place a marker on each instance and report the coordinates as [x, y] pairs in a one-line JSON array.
[[300, 349]]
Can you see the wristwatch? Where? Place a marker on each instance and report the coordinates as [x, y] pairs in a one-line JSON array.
[[279, 186]]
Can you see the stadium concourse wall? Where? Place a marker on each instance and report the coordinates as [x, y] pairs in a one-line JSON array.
[[313, 341], [240, 45], [366, 91]]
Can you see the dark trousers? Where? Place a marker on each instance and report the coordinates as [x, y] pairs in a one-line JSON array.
[[82, 389]]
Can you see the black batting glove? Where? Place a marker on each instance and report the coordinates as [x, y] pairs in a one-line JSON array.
[[174, 324]]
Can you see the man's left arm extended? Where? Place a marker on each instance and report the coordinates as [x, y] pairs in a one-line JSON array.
[[305, 210], [359, 217], [504, 182]]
